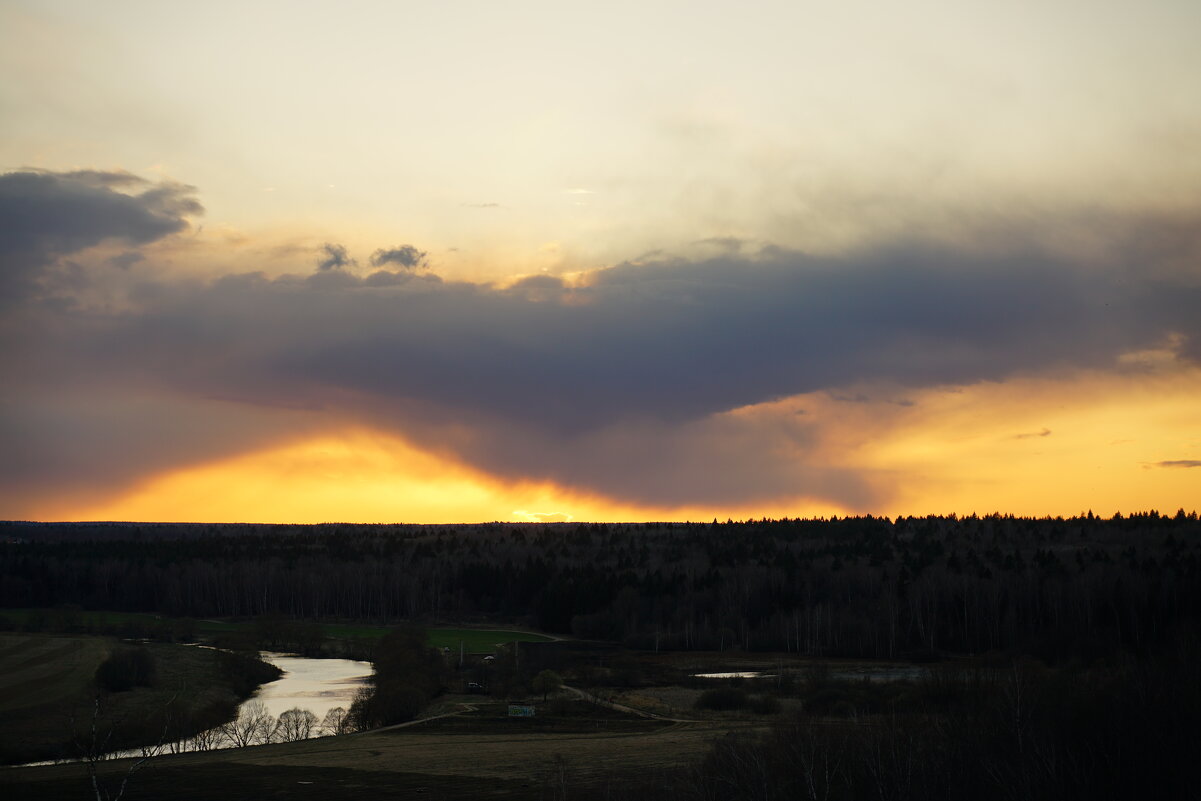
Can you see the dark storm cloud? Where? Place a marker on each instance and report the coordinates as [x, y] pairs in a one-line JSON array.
[[335, 257], [405, 256], [63, 446], [611, 384], [661, 346], [46, 215]]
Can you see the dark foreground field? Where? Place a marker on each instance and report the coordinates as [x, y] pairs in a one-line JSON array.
[[53, 705], [477, 756], [984, 729]]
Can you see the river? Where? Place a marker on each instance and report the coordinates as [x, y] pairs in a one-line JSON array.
[[317, 685]]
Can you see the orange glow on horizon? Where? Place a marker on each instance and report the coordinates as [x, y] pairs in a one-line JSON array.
[[359, 476], [1037, 446], [1030, 447]]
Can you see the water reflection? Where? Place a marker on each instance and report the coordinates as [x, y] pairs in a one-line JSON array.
[[870, 672], [741, 674], [317, 685]]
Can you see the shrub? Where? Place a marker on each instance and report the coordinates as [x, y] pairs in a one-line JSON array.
[[125, 669], [722, 699]]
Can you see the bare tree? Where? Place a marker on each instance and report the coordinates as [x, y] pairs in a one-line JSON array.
[[205, 740], [253, 725], [94, 749], [296, 724], [336, 721]]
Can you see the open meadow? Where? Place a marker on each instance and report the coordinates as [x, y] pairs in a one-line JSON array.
[[137, 625], [52, 697], [481, 753], [44, 679]]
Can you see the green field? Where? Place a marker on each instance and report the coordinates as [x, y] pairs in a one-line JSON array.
[[142, 624], [479, 641]]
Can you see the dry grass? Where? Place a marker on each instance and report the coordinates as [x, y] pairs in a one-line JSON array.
[[677, 701], [510, 761], [38, 669], [514, 756], [47, 692]]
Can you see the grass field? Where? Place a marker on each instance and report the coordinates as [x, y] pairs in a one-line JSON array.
[[474, 640], [479, 641], [44, 679], [573, 717], [48, 696], [478, 756], [38, 670], [479, 753]]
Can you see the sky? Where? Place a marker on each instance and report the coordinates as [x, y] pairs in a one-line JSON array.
[[474, 261]]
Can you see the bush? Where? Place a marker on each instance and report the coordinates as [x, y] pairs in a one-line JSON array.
[[243, 671], [722, 699], [408, 674]]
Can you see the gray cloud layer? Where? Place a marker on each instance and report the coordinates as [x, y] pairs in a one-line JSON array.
[[609, 386], [45, 215]]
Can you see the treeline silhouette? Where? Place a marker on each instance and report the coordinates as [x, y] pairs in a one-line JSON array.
[[1079, 587]]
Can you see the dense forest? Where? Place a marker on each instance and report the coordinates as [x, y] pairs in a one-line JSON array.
[[863, 586]]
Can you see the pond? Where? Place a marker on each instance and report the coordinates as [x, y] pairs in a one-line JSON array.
[[869, 672], [738, 674]]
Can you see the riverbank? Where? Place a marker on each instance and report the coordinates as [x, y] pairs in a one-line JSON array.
[[53, 708]]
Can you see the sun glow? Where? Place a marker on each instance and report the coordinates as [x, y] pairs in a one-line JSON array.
[[361, 476], [1031, 447]]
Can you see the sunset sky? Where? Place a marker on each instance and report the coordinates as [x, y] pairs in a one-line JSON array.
[[454, 262]]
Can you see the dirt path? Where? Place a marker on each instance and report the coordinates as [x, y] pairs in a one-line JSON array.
[[406, 724], [627, 709]]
